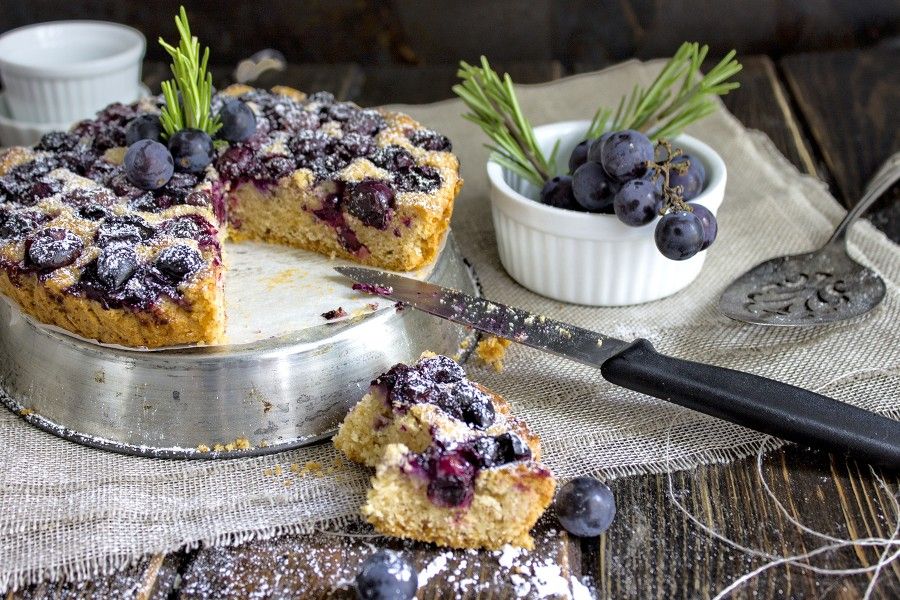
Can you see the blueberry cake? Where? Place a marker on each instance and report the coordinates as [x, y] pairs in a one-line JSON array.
[[84, 249], [453, 466]]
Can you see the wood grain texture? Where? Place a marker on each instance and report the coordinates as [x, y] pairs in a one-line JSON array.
[[325, 566], [444, 31], [654, 550], [152, 578], [851, 103], [762, 103], [419, 85]]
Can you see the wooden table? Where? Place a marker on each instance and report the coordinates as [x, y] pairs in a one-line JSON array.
[[834, 115]]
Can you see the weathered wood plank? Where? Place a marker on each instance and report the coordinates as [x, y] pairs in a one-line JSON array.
[[417, 85], [762, 103], [152, 578], [325, 565], [653, 550], [851, 102]]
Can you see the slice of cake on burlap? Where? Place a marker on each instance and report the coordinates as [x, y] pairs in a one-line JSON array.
[[453, 466]]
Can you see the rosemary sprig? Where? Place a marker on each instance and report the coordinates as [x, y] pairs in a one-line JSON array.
[[493, 106], [677, 97], [192, 80]]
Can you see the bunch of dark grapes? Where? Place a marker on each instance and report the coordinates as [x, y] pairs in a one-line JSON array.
[[624, 173]]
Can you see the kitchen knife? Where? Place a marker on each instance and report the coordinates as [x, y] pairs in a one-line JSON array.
[[766, 405]]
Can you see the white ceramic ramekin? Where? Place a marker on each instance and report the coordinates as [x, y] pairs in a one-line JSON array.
[[22, 133], [585, 258], [63, 71]]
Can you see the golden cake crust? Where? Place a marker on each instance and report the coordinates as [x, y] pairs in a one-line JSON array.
[[371, 425], [506, 504], [287, 210]]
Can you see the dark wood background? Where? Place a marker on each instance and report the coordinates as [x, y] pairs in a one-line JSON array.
[[435, 32], [820, 78]]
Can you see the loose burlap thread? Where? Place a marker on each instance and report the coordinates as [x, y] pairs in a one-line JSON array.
[[75, 512]]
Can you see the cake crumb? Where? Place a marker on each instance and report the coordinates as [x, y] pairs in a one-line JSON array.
[[203, 448], [25, 412], [335, 313], [282, 277], [219, 448], [491, 350], [278, 470], [242, 443], [267, 472], [115, 155]]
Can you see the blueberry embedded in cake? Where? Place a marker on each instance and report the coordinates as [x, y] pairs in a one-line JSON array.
[[417, 405], [124, 248], [453, 466], [461, 496]]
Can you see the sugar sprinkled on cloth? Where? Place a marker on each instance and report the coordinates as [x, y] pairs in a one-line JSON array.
[[74, 511]]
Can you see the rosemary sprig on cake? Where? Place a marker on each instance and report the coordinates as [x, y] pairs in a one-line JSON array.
[[191, 79], [185, 122]]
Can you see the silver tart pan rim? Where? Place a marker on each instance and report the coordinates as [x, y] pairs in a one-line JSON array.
[[279, 394]]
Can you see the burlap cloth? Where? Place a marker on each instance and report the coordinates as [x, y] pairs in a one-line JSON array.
[[70, 511]]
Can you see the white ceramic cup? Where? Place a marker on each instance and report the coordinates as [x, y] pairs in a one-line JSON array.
[[64, 71], [585, 258]]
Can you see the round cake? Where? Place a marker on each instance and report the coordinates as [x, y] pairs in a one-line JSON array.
[[84, 249]]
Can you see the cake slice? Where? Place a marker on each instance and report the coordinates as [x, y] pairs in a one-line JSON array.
[[453, 466], [418, 405], [482, 493]]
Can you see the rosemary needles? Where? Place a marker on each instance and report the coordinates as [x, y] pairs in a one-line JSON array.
[[679, 96], [494, 107], [193, 82]]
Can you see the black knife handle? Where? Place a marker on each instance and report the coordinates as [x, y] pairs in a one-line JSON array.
[[762, 404]]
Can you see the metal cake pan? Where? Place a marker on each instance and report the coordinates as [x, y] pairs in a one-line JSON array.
[[278, 394]]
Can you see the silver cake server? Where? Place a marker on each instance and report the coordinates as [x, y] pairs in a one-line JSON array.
[[762, 404], [817, 287]]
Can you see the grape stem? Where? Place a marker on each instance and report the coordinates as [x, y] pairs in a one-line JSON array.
[[673, 197]]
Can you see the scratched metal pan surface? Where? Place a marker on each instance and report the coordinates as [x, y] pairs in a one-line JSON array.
[[276, 394]]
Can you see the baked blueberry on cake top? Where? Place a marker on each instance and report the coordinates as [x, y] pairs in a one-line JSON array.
[[453, 466], [101, 236]]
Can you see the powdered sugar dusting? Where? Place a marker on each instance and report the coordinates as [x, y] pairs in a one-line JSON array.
[[320, 565], [438, 564]]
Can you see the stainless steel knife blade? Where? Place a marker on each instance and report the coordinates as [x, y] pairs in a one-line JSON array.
[[537, 331]]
